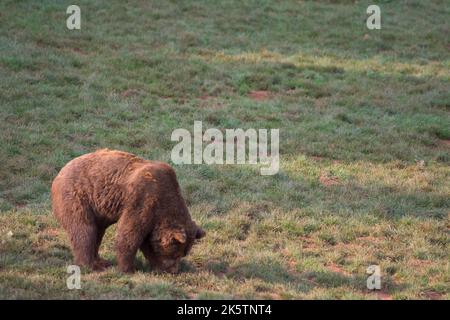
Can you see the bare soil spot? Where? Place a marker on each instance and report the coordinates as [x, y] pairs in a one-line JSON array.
[[79, 51], [259, 95], [129, 93], [446, 142], [292, 114], [50, 232], [384, 295], [274, 296], [321, 102], [308, 243], [337, 269], [432, 295], [420, 263], [379, 294], [205, 97], [328, 180]]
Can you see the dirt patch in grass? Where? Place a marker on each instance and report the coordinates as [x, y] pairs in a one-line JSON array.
[[431, 295], [337, 269], [384, 295], [308, 243], [328, 180], [129, 92], [420, 263], [379, 294], [260, 95], [321, 102], [205, 97], [79, 51], [445, 142]]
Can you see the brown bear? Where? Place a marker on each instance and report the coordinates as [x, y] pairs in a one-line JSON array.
[[101, 188]]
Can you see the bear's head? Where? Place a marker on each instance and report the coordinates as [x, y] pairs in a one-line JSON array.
[[170, 244]]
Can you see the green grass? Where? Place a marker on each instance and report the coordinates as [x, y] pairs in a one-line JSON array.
[[364, 141]]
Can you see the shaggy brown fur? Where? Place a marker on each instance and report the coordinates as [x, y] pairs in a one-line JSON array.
[[98, 189]]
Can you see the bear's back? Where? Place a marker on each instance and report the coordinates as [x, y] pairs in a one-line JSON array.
[[103, 166], [105, 179]]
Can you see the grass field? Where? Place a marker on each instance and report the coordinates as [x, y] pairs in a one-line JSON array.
[[364, 141]]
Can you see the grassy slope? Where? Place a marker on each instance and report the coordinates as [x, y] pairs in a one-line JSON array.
[[364, 124]]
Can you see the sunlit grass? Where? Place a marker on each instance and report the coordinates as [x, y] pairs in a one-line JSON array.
[[377, 64]]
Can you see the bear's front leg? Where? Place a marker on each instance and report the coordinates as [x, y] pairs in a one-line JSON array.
[[129, 239], [148, 253]]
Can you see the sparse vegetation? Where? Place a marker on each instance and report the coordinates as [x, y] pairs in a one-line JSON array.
[[364, 141]]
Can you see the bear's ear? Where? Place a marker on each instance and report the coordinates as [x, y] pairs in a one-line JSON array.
[[179, 235], [200, 233]]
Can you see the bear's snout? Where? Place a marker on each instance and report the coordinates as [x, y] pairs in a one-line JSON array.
[[170, 265]]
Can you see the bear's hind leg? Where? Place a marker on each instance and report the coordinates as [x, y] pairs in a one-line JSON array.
[[78, 220], [84, 245], [101, 263]]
